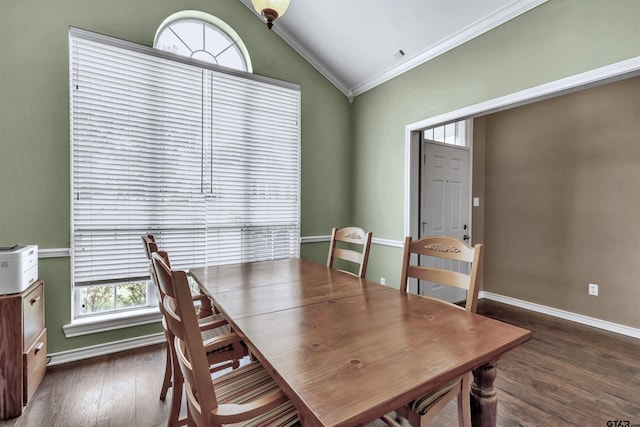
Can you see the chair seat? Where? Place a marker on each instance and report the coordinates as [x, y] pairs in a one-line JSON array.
[[422, 404], [212, 318], [251, 382], [208, 334]]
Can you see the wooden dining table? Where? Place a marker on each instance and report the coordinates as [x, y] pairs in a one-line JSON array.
[[347, 350]]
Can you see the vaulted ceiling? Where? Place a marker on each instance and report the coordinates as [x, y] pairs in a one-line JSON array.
[[359, 44]]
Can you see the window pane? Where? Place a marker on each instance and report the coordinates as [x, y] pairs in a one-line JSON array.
[[215, 40], [190, 32], [231, 58], [168, 41], [97, 299], [130, 295], [450, 134], [438, 134], [428, 134]]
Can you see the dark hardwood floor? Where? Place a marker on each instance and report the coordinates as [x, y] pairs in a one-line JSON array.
[[566, 375]]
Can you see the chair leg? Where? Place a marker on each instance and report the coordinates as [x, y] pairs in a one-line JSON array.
[[176, 400], [388, 419], [166, 382], [464, 401]]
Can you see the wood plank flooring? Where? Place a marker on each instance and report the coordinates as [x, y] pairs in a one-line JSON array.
[[566, 375]]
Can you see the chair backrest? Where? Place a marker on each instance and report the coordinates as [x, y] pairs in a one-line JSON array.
[[357, 243], [183, 324], [151, 247], [447, 248]]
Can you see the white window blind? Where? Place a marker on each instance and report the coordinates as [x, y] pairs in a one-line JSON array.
[[207, 161]]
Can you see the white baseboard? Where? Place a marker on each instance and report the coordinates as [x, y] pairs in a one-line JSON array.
[[562, 314], [104, 349]]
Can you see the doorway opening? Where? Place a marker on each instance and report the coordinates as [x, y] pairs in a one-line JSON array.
[[444, 207]]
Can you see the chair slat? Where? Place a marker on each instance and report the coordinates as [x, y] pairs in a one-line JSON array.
[[348, 255], [445, 277]]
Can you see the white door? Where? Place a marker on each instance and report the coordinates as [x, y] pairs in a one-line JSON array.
[[445, 207]]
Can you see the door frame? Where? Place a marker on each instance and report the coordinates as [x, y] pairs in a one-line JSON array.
[[595, 77]]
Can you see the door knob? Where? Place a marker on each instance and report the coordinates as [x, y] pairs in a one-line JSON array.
[[466, 237]]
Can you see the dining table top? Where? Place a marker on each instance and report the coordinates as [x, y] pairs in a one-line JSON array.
[[347, 350]]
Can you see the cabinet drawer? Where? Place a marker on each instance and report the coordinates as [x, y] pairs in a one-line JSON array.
[[33, 315], [35, 366]]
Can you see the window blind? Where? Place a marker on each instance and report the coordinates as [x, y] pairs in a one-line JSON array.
[[207, 161]]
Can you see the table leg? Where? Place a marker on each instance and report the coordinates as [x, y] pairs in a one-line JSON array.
[[206, 308], [484, 403]]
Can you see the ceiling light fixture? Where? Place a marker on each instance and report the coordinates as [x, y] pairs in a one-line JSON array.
[[271, 9]]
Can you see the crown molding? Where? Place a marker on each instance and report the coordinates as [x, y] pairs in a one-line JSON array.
[[488, 23], [311, 59], [499, 17]]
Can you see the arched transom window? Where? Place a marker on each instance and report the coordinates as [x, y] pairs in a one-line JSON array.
[[204, 37]]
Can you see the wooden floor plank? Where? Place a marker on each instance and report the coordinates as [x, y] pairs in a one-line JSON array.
[[68, 396], [150, 411], [118, 403]]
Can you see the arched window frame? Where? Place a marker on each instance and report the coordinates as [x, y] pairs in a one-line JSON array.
[[210, 20]]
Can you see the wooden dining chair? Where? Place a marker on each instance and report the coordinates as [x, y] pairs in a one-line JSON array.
[[350, 244], [247, 395], [204, 306], [220, 356], [420, 411]]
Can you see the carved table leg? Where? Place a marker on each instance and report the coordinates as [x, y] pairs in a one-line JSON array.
[[206, 308], [484, 403]]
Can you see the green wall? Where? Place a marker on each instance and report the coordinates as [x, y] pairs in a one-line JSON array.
[[557, 39], [34, 127], [352, 157]]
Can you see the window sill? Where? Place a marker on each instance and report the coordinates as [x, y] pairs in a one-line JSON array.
[[110, 322]]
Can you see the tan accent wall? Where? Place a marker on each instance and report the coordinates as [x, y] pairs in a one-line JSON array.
[[563, 202], [478, 180]]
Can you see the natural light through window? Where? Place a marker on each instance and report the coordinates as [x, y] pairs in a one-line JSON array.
[[204, 158], [202, 37], [450, 133]]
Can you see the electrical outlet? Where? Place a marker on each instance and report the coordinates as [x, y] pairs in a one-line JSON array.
[[593, 289], [383, 281]]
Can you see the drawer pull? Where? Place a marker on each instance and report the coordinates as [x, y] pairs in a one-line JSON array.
[[38, 347], [32, 301]]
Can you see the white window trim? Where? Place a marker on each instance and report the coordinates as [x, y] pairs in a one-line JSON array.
[[112, 321]]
